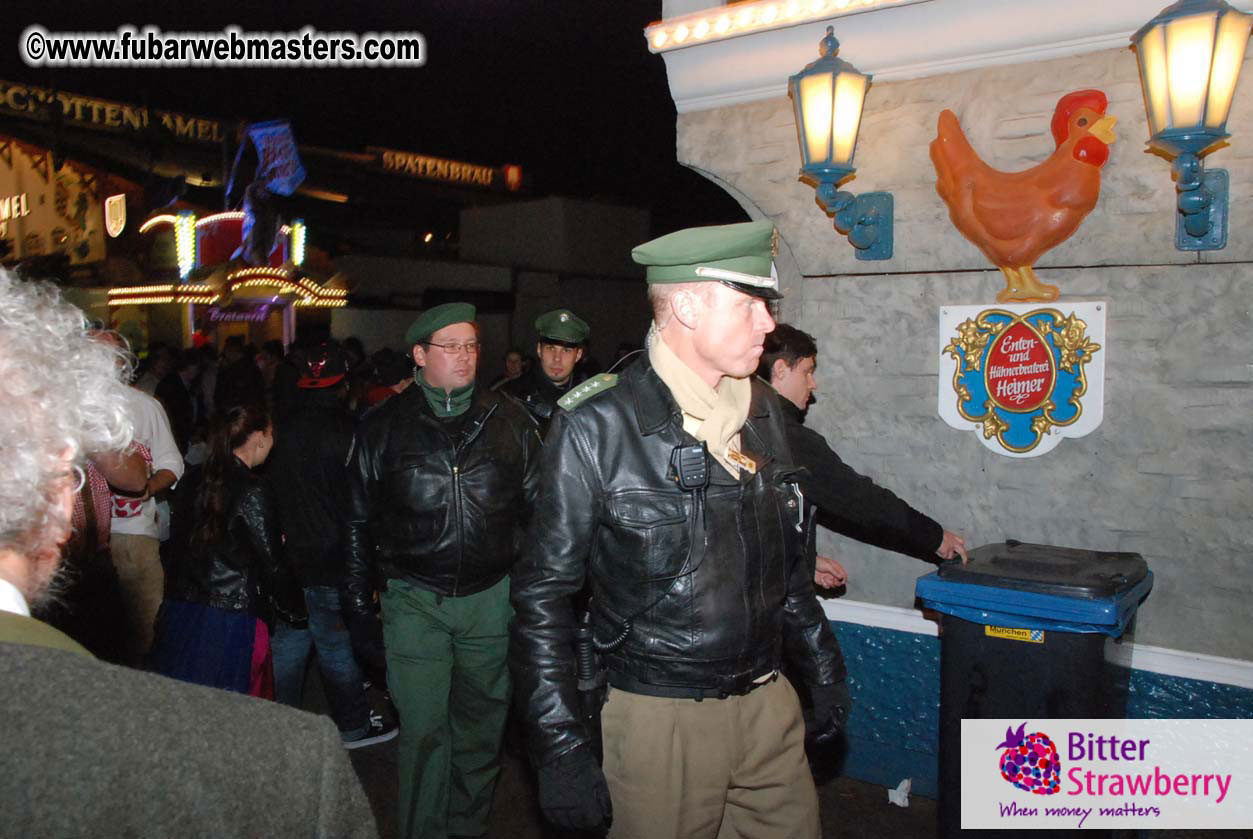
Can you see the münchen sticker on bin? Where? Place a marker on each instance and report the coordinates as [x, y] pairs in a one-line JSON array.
[[1031, 636]]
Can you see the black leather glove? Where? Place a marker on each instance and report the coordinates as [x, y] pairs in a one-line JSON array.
[[573, 793], [831, 706]]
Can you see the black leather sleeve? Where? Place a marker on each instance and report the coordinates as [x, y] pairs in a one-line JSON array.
[[551, 571], [809, 642], [357, 592], [860, 508], [279, 589], [259, 513], [532, 450]]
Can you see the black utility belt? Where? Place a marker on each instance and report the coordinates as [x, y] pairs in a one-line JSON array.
[[737, 687]]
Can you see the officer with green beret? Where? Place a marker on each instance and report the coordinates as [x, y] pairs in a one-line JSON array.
[[670, 492], [562, 341], [441, 480]]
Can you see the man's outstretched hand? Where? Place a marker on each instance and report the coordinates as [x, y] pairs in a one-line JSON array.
[[952, 545]]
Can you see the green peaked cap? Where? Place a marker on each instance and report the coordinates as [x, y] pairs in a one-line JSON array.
[[738, 255], [435, 319], [562, 325]]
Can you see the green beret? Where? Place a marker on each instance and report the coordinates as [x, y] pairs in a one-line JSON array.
[[433, 320], [738, 255], [562, 325]]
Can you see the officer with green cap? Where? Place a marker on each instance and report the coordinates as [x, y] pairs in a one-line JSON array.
[[562, 341], [441, 480], [670, 492]]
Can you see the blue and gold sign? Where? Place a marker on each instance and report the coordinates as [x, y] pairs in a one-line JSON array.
[[1022, 376]]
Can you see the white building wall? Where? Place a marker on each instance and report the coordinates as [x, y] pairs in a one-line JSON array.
[[1169, 474]]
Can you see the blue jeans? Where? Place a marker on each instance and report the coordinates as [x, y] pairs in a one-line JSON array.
[[341, 677]]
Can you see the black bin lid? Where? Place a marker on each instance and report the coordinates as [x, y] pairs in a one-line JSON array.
[[1049, 569]]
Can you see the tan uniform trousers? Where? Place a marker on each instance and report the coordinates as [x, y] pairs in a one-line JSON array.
[[137, 560], [718, 768]]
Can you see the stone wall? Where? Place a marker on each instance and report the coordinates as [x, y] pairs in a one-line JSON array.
[[1168, 472]]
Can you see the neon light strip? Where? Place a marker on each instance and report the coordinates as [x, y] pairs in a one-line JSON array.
[[309, 293], [155, 220], [234, 214], [723, 22], [139, 289], [185, 243], [165, 298], [297, 233]]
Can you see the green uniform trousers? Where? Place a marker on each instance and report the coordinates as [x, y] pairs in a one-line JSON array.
[[447, 675]]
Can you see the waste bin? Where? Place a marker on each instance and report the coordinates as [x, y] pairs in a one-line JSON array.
[[1023, 631]]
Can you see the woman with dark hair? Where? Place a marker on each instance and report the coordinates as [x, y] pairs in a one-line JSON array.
[[228, 581]]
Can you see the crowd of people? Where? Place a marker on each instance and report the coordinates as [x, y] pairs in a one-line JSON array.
[[625, 557], [224, 568]]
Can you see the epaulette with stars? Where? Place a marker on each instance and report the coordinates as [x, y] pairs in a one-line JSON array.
[[585, 391]]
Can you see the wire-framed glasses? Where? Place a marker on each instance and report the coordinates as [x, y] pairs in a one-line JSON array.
[[469, 347]]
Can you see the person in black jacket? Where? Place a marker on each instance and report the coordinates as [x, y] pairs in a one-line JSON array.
[[856, 505], [175, 393], [308, 471], [228, 582], [561, 346], [670, 491], [440, 485]]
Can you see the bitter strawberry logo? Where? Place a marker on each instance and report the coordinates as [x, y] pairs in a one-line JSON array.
[[1030, 761]]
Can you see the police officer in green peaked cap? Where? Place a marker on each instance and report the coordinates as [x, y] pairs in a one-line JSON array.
[[436, 318], [562, 339], [562, 325], [737, 255]]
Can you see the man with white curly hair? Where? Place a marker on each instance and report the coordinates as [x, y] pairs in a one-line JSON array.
[[93, 749]]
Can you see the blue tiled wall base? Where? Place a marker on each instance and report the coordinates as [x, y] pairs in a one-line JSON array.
[[894, 679], [1154, 696]]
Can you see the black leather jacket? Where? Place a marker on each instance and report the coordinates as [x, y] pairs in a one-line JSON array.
[[441, 504], [714, 584], [538, 394], [244, 570]]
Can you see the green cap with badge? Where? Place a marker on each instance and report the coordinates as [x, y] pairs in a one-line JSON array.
[[738, 255], [436, 318], [562, 325]]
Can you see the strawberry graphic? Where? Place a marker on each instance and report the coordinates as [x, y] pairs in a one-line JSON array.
[[1030, 761]]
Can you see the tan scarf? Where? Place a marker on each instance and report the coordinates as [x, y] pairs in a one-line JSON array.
[[714, 415]]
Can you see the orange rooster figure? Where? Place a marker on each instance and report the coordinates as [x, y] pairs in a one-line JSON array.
[[1014, 217]]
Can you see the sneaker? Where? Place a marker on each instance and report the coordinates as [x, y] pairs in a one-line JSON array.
[[376, 732]]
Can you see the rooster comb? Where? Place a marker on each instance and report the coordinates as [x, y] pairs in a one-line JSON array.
[[1071, 102]]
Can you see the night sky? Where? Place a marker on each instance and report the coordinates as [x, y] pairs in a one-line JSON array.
[[567, 89]]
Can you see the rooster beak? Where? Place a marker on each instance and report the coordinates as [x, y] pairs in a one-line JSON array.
[[1103, 129]]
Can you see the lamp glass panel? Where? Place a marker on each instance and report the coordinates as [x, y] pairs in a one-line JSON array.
[[1152, 54], [816, 102], [850, 92], [1233, 37], [1189, 49]]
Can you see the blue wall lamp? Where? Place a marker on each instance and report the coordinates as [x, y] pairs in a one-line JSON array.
[[827, 97], [1190, 57]]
